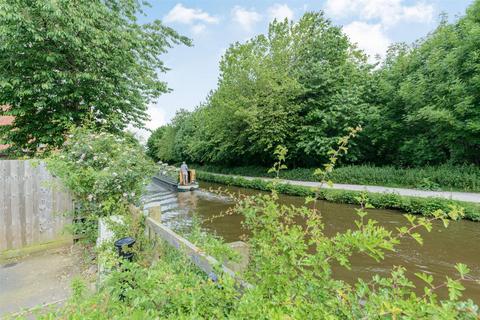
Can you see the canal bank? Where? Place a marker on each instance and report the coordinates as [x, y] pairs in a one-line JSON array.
[[410, 201], [442, 249]]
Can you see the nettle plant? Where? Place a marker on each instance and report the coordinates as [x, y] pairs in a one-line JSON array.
[[105, 172], [292, 258]]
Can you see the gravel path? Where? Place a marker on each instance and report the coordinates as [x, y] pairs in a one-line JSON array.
[[460, 196]]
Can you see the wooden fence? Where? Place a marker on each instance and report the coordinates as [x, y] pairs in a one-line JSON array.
[[208, 264], [31, 206]]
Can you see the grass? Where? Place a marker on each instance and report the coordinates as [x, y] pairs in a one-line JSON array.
[[445, 177], [415, 205]]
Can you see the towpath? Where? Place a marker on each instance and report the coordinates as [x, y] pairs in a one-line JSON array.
[[453, 195]]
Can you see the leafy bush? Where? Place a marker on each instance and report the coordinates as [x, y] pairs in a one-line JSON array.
[[290, 269], [105, 172], [289, 279], [446, 177], [423, 206], [171, 288]]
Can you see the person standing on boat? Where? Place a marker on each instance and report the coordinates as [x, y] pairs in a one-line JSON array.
[[184, 171]]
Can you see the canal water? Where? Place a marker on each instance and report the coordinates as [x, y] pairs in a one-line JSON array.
[[442, 248]]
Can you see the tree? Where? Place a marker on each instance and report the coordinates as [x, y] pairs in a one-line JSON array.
[[430, 94], [153, 142], [63, 62], [254, 107], [301, 85], [335, 76]]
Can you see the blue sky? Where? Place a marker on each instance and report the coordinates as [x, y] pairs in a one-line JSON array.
[[214, 25]]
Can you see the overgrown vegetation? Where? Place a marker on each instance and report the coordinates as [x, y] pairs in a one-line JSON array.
[[290, 280], [64, 62], [444, 177], [106, 174], [421, 206], [302, 84]]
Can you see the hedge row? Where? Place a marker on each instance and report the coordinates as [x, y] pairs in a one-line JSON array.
[[415, 205], [445, 177]]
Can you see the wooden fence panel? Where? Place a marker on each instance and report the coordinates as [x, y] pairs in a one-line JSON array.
[[31, 205]]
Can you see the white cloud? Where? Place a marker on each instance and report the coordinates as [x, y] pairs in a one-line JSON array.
[[198, 28], [157, 119], [185, 15], [246, 18], [389, 12], [421, 12], [280, 12], [369, 37]]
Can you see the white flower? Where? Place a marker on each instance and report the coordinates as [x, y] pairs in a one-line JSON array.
[[114, 174], [90, 197]]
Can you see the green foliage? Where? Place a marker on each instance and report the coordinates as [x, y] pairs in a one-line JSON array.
[[429, 100], [105, 172], [421, 206], [444, 177], [300, 85], [290, 280], [210, 243], [290, 269], [62, 62], [153, 143], [303, 84], [171, 288]]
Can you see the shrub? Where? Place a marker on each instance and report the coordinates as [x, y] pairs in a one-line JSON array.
[[290, 280], [423, 206], [446, 177], [290, 269], [105, 172]]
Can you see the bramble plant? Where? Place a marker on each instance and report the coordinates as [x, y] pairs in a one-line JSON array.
[[105, 172]]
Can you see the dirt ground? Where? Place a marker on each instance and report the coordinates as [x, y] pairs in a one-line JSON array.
[[41, 279]]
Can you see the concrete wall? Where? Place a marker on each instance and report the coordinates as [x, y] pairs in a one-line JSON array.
[[31, 207]]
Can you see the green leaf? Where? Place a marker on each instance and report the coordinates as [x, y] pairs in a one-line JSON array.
[[462, 269], [455, 289], [417, 237], [427, 278]]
